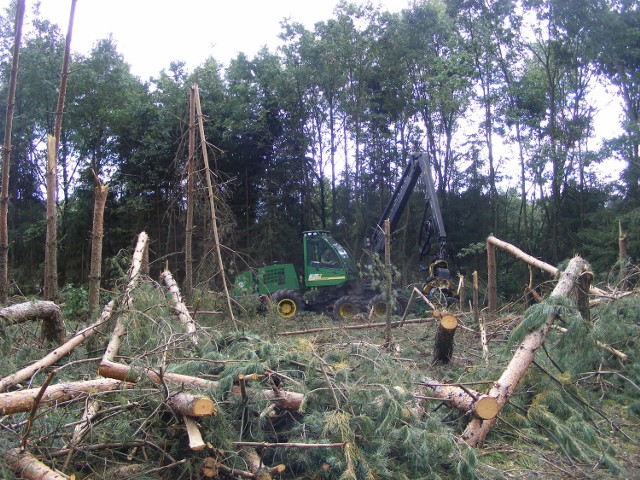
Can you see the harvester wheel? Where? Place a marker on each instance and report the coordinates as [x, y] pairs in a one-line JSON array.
[[379, 305], [346, 307], [287, 303]]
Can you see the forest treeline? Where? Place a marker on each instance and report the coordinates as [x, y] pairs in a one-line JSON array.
[[500, 93]]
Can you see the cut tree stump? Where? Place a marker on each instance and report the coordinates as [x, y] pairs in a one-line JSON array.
[[443, 349]]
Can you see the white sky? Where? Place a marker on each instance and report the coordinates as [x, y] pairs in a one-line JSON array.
[[151, 34]]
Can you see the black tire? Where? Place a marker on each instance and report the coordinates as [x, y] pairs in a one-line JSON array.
[[379, 305], [287, 303], [346, 307]]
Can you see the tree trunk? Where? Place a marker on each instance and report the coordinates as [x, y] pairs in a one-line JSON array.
[[53, 329], [492, 279], [190, 405], [443, 349], [51, 242], [180, 307], [6, 157], [214, 222], [188, 241], [22, 400], [95, 268], [479, 405], [29, 467], [193, 432], [477, 430]]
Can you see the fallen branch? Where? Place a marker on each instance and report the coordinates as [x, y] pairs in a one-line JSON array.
[[623, 357], [288, 445]]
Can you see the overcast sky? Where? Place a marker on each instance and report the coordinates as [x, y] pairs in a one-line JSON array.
[[152, 33]]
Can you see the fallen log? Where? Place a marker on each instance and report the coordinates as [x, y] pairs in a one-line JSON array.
[[479, 405], [22, 400], [53, 328], [59, 352], [477, 430], [181, 309], [191, 406], [283, 400], [29, 467]]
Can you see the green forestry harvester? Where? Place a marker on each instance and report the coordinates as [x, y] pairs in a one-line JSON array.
[[331, 279]]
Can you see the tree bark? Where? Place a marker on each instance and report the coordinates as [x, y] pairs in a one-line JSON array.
[[6, 157], [29, 467], [180, 307], [477, 430], [53, 328], [22, 400]]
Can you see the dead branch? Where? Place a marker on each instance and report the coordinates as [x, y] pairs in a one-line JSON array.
[[477, 430], [29, 467], [181, 309], [59, 352], [289, 445], [23, 400]]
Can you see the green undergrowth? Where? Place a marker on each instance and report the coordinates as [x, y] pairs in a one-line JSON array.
[[576, 410]]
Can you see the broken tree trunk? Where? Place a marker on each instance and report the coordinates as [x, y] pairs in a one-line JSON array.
[[477, 430], [443, 349], [254, 462], [181, 309], [480, 405], [100, 193], [193, 432], [22, 400], [212, 205], [59, 352], [29, 467], [516, 252], [53, 328]]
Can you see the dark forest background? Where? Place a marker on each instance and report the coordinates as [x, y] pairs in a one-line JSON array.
[[502, 95]]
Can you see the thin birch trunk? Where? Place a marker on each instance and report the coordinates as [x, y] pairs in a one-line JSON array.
[[188, 242]]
